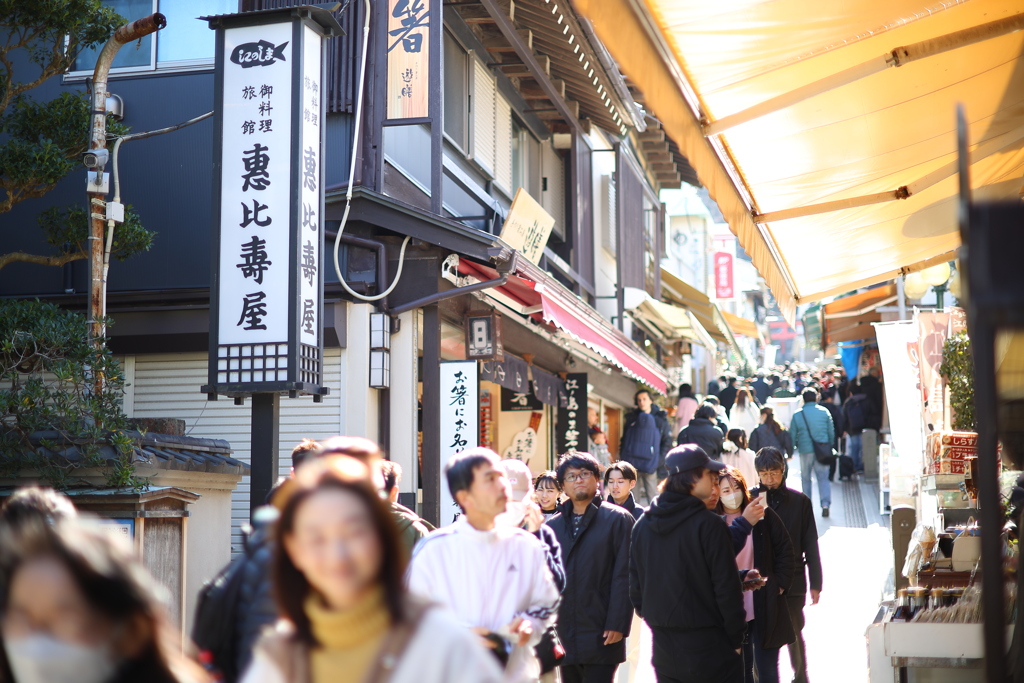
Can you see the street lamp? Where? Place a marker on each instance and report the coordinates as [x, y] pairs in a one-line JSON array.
[[937, 276]]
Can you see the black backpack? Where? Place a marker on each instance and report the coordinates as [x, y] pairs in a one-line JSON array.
[[855, 416], [214, 629]]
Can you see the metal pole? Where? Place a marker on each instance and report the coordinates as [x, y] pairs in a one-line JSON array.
[[431, 481], [98, 141], [265, 435], [901, 297], [992, 588]]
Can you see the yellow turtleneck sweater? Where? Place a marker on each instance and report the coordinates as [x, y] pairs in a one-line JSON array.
[[350, 640]]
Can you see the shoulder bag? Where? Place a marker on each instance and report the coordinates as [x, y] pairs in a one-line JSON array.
[[823, 452]]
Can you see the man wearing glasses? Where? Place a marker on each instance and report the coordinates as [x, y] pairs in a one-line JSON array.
[[595, 614]]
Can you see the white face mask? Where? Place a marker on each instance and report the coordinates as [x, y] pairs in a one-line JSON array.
[[732, 500], [40, 658]]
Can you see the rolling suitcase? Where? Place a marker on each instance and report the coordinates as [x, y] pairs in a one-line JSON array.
[[846, 470]]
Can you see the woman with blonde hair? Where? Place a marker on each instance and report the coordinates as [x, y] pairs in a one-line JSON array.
[[346, 616]]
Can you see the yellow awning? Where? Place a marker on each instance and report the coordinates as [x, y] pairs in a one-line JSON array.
[[704, 312], [674, 322], [748, 328], [834, 167]]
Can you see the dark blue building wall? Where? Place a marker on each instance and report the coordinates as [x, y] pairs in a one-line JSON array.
[[167, 179]]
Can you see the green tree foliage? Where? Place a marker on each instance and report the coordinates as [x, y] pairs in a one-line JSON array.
[[958, 369], [47, 397], [42, 142]]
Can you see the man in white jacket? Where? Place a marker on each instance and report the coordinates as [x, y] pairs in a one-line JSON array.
[[493, 577]]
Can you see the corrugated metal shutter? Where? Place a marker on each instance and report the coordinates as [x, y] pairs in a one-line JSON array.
[[503, 144], [553, 198], [167, 385], [481, 109]]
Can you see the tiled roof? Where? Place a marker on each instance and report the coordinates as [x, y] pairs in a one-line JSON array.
[[161, 451]]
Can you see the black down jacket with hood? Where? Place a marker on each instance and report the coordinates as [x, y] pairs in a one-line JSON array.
[[682, 569]]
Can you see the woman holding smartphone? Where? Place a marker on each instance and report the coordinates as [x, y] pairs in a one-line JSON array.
[[769, 550]]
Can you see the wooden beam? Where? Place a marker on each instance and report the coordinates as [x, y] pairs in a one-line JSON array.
[[650, 146], [667, 176], [527, 37], [650, 135], [540, 65], [660, 167], [654, 157], [671, 185]]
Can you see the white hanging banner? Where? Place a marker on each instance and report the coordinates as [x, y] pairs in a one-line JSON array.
[[898, 350], [460, 425]]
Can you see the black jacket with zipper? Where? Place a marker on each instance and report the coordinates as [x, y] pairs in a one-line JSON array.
[[682, 569], [629, 505], [797, 514], [774, 558], [596, 595]]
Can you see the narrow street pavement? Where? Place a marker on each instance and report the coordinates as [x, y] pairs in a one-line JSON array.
[[856, 559]]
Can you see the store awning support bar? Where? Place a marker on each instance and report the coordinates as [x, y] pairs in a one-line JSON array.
[[993, 146], [895, 58], [458, 291]]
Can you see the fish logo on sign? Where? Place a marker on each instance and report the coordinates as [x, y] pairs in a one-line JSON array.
[[262, 53]]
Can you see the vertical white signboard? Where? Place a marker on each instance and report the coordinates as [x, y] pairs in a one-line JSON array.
[[255, 186], [310, 192], [267, 286], [460, 426]]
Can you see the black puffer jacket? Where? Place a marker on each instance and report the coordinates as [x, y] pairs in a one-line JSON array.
[[596, 595], [706, 435], [774, 558], [682, 570], [256, 607], [797, 515]]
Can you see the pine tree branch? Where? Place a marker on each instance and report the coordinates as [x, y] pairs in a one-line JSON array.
[[22, 257]]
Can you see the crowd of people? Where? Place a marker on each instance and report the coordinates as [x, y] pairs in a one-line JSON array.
[[541, 578], [341, 583]]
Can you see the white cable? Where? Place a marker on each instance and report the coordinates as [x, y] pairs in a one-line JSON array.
[[352, 178]]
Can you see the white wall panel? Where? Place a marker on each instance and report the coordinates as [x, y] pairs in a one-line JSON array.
[[167, 385]]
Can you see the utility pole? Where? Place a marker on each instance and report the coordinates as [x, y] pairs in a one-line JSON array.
[[96, 160]]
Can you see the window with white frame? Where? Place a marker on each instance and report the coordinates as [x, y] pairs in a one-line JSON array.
[[456, 92], [186, 42]]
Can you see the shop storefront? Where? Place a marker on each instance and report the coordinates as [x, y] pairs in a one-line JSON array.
[[931, 628]]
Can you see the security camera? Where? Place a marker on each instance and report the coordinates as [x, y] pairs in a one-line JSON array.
[[95, 158]]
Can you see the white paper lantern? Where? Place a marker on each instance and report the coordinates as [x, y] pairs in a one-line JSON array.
[[936, 275], [914, 286]]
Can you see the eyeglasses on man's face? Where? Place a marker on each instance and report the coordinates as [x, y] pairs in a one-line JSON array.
[[582, 476]]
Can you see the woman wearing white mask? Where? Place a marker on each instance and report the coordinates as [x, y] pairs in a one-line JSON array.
[[769, 550], [77, 607]]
